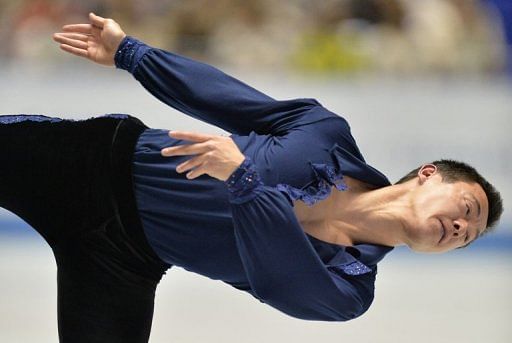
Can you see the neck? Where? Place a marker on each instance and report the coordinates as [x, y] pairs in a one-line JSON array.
[[358, 216]]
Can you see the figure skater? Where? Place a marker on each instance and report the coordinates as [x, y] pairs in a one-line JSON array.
[[285, 208]]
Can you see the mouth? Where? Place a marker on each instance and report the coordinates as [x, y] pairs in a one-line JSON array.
[[443, 232]]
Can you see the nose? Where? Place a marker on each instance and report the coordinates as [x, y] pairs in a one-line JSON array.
[[460, 227]]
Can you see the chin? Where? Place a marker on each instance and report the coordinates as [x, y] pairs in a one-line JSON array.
[[426, 246], [421, 241], [420, 249], [430, 250]]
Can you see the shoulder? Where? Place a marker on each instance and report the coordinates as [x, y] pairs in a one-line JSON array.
[[326, 127]]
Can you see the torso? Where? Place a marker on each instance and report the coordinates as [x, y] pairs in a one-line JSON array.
[[320, 228]]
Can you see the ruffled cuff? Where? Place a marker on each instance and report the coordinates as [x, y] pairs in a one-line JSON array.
[[243, 181], [129, 53]]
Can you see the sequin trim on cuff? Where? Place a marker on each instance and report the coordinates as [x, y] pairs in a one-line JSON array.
[[243, 180], [129, 53]]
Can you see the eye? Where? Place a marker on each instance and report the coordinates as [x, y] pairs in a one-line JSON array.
[[467, 212]]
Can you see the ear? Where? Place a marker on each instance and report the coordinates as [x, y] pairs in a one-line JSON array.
[[426, 171]]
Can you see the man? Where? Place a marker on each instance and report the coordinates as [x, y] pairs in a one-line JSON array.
[[317, 262]]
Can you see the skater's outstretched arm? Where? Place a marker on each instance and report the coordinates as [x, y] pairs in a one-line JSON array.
[[194, 88]]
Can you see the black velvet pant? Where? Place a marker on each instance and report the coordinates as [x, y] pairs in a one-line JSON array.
[[71, 181]]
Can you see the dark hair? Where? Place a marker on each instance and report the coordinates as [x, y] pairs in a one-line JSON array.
[[453, 171]]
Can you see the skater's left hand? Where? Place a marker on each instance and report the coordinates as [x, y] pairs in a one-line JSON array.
[[97, 40], [217, 156]]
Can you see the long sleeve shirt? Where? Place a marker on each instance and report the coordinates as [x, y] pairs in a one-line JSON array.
[[243, 231]]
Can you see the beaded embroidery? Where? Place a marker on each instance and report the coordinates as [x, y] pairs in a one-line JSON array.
[[9, 119], [353, 268], [243, 179], [18, 118], [129, 53]]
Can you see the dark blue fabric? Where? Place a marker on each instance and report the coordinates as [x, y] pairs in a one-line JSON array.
[[244, 231]]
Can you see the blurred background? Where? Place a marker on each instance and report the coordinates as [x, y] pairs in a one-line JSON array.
[[418, 80]]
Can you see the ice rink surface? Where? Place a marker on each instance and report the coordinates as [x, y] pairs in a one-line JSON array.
[[419, 299], [464, 296]]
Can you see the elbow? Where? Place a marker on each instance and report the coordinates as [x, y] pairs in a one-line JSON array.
[[352, 306], [330, 314], [343, 308], [313, 310], [345, 311], [349, 314]]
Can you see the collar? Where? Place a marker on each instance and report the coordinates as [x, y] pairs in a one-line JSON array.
[[353, 164]]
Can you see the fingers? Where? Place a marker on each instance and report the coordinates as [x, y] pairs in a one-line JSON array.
[[81, 28], [196, 173], [187, 149], [74, 51], [197, 165], [97, 20], [67, 40], [190, 136], [190, 164], [72, 35]]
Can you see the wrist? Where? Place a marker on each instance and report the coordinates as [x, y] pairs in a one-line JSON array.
[[243, 180], [129, 52], [235, 164], [118, 40]]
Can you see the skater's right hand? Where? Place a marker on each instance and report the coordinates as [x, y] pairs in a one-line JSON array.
[[97, 41]]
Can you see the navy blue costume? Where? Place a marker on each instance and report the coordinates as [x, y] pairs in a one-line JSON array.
[[244, 231], [117, 215]]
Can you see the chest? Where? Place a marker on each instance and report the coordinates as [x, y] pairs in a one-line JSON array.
[[316, 220]]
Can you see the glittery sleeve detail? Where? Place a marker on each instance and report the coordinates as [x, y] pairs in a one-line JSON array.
[[243, 181], [345, 263], [129, 53], [353, 268], [20, 118]]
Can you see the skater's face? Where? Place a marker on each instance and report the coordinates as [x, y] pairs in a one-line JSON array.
[[444, 216]]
